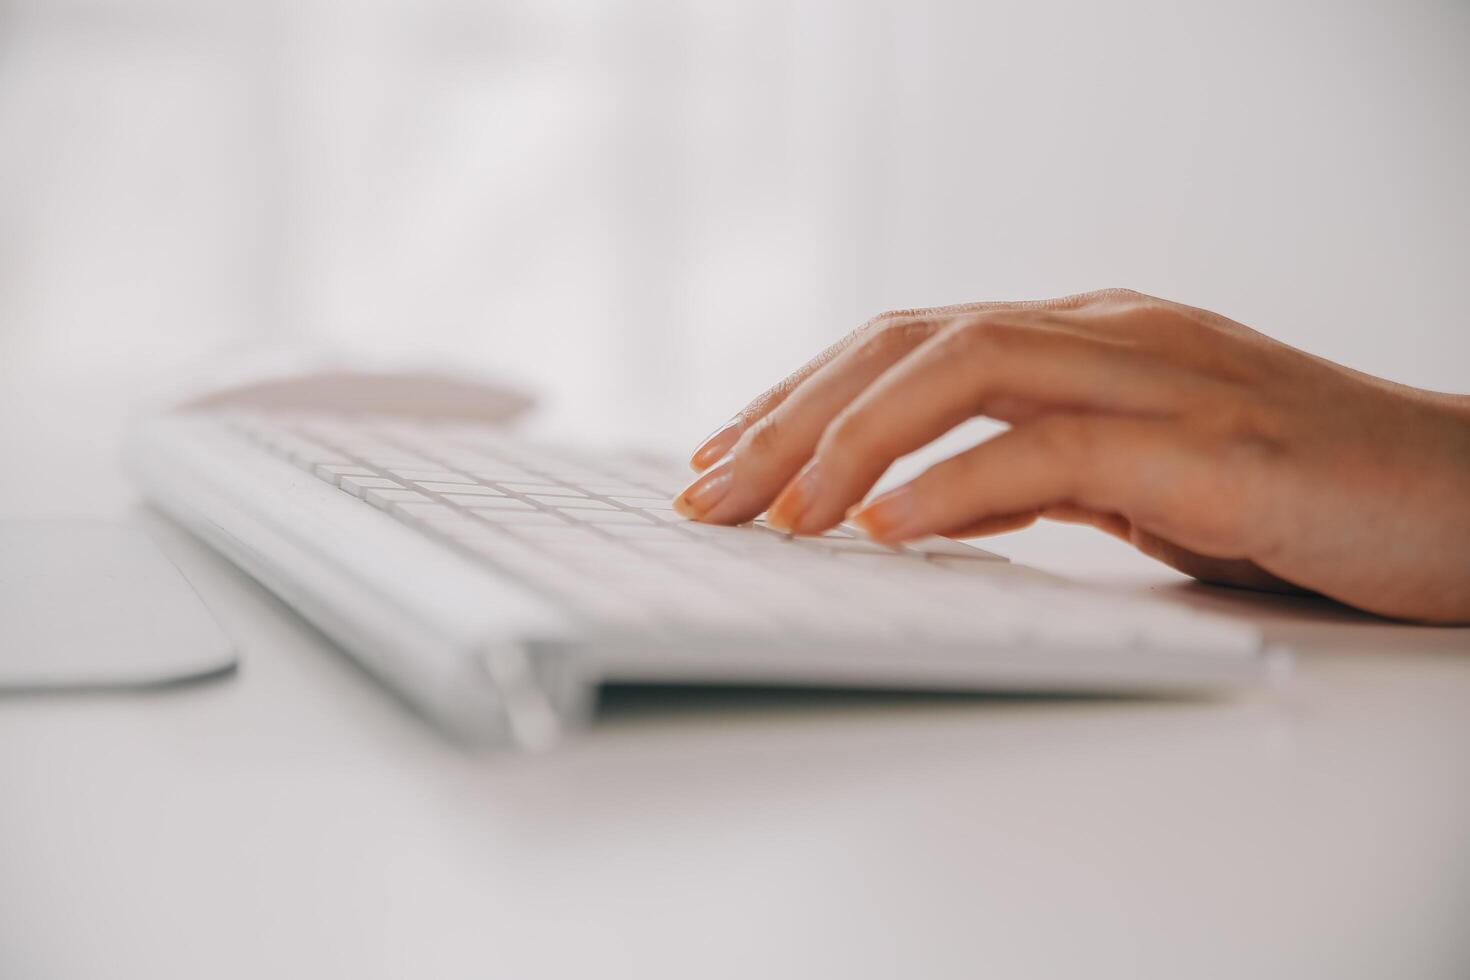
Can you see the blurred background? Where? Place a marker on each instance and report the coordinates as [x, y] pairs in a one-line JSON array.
[[647, 211]]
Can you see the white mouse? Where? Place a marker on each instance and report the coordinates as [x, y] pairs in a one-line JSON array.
[[415, 394], [94, 603]]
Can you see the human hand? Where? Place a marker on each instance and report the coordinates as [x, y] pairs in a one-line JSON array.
[[1230, 456]]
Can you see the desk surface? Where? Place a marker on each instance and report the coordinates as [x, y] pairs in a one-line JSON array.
[[291, 819]]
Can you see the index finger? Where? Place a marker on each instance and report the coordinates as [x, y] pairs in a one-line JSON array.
[[723, 439]]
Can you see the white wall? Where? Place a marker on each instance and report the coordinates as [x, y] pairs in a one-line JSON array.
[[653, 209]]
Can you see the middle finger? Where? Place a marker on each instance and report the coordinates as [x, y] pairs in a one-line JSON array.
[[769, 453]]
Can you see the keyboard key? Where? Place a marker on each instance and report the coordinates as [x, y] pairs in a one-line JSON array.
[[476, 502], [333, 473], [497, 474], [642, 531], [672, 544], [935, 545], [397, 460], [571, 474], [667, 514], [838, 532], [520, 517], [386, 498], [360, 485], [573, 503], [612, 517], [543, 490], [747, 532], [432, 476], [462, 489], [584, 536], [848, 545]]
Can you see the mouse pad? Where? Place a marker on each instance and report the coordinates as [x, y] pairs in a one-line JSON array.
[[94, 603]]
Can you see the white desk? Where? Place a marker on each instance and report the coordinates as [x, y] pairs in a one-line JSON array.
[[292, 820]]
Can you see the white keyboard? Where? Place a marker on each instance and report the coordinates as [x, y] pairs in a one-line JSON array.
[[636, 592]]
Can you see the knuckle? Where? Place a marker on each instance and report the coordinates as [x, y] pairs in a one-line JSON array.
[[1114, 297], [767, 400], [1001, 333], [1146, 316], [1111, 295], [1228, 417], [883, 321], [846, 436], [1117, 294], [777, 393], [763, 438], [1228, 413], [782, 389], [1150, 318], [896, 335], [985, 337], [968, 336]]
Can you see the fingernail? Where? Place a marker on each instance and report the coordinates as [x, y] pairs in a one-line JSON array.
[[700, 497], [890, 516], [796, 499], [716, 444]]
